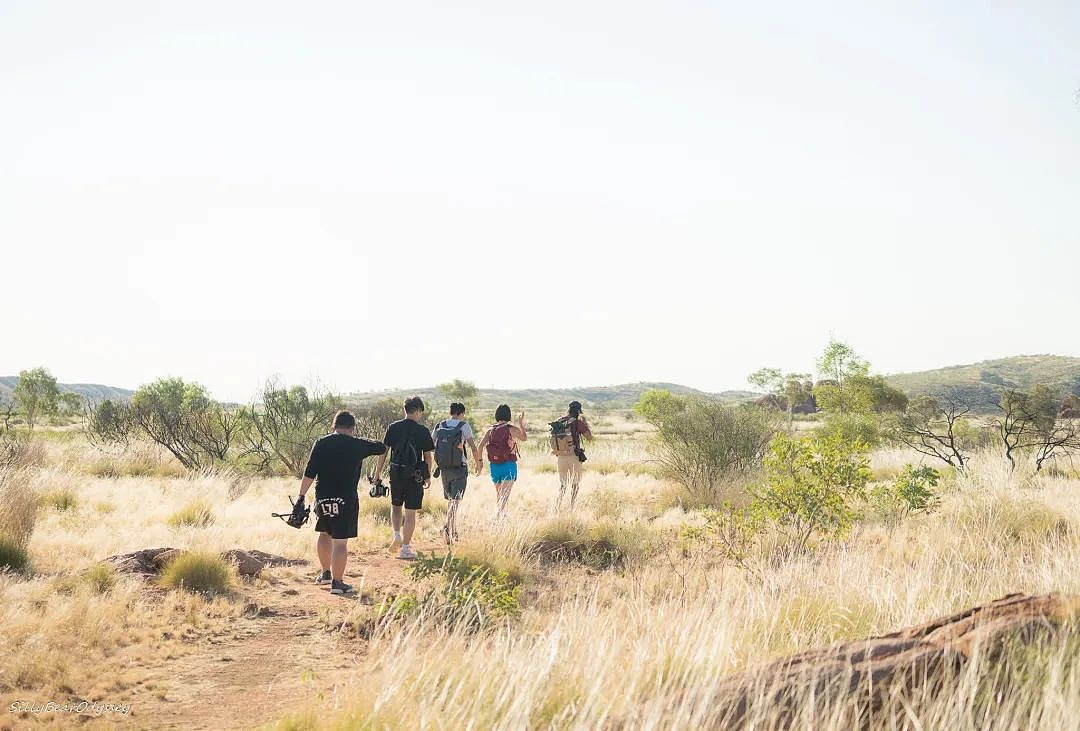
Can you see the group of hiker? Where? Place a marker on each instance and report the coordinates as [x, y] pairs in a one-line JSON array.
[[416, 455]]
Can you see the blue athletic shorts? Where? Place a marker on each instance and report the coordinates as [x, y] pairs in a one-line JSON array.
[[503, 471]]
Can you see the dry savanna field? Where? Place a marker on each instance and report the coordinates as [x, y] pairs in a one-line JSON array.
[[626, 613]]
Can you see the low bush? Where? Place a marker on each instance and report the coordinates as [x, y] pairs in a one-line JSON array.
[[469, 594], [100, 578], [62, 499], [196, 514], [200, 572], [913, 491], [602, 545], [13, 557]]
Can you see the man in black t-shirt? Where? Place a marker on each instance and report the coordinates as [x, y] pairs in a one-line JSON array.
[[411, 451], [334, 466]]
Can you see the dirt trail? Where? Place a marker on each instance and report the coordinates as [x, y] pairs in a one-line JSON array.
[[286, 648]]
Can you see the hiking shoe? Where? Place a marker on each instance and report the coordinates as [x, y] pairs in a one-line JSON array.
[[457, 536], [340, 587], [323, 578], [446, 535], [407, 553], [395, 544]]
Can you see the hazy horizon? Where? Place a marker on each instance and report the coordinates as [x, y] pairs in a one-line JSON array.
[[609, 192]]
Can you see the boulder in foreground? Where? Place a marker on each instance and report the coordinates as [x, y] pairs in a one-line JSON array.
[[912, 658]]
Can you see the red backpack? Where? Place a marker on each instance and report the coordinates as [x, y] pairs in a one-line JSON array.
[[498, 446]]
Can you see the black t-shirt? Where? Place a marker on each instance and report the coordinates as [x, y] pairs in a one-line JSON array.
[[398, 437], [335, 464]]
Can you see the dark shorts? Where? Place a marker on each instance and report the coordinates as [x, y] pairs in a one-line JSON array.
[[453, 482], [337, 516], [405, 490]]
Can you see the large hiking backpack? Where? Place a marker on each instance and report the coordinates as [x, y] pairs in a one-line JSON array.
[[449, 442], [498, 446], [562, 436]]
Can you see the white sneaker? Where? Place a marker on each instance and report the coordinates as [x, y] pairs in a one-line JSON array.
[[407, 553]]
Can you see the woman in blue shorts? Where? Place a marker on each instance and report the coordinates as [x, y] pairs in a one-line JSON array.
[[501, 442]]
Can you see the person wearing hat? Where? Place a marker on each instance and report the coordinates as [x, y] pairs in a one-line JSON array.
[[566, 446]]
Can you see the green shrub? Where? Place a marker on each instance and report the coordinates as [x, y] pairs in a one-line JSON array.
[[471, 594], [863, 428], [13, 557], [813, 487], [599, 546], [913, 491], [702, 444], [205, 573], [62, 499], [197, 514], [100, 578]]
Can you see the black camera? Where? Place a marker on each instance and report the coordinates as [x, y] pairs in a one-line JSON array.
[[580, 454], [378, 489]]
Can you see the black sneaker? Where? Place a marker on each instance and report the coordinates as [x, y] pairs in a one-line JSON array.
[[340, 587], [323, 578]]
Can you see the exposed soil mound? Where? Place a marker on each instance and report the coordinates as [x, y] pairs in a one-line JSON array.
[[150, 561], [909, 658]]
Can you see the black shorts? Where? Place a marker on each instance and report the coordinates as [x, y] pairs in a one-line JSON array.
[[454, 480], [337, 516], [404, 489]]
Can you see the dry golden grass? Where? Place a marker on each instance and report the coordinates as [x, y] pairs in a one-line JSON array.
[[640, 644]]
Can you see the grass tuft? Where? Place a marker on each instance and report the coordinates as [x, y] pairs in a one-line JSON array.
[[200, 572], [13, 557], [196, 514]]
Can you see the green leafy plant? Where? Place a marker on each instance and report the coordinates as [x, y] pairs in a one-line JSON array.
[[812, 487], [470, 594]]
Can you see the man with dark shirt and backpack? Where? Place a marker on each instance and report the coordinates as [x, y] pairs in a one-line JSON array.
[[410, 473], [451, 437], [334, 466]]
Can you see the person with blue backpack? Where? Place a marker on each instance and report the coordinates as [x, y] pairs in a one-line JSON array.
[[451, 437]]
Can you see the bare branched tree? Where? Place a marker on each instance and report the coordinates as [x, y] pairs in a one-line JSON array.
[[929, 425], [284, 422]]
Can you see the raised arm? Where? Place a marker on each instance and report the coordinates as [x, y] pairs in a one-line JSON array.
[[517, 431], [584, 429]]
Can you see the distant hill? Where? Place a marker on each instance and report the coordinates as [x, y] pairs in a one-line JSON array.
[[90, 391], [982, 382], [622, 396]]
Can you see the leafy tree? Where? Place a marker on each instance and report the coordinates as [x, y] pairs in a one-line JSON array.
[[373, 418], [464, 392], [702, 443], [71, 403], [109, 422], [183, 419], [37, 394], [836, 365], [812, 487], [284, 423], [788, 390]]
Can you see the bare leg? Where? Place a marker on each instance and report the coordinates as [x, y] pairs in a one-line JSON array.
[[324, 547], [409, 526], [339, 556], [451, 516], [395, 518], [502, 494]]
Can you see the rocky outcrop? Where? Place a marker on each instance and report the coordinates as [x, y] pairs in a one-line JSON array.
[[903, 660], [149, 561]]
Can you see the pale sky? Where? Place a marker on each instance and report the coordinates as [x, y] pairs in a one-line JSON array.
[[602, 192]]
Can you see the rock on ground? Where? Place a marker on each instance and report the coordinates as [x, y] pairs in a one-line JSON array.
[[150, 561]]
